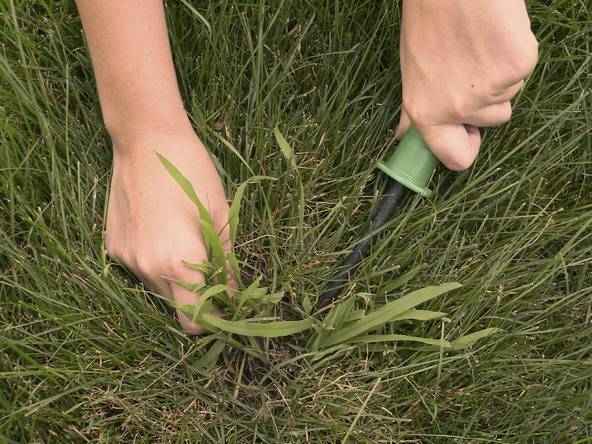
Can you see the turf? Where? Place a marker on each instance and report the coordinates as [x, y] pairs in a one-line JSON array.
[[87, 356]]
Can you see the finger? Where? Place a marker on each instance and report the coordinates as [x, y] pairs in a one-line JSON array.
[[505, 82], [506, 94], [164, 288], [491, 115], [493, 109], [184, 296], [455, 145], [403, 126]]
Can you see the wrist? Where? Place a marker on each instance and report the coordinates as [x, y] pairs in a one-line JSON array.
[[125, 128]]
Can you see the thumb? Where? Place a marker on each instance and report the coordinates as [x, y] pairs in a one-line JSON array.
[[456, 145]]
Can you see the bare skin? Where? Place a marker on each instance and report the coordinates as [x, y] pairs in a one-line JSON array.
[[462, 61], [151, 224]]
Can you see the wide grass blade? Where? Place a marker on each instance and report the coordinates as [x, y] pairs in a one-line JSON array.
[[387, 313], [286, 149], [187, 187], [469, 340], [234, 213], [257, 328]]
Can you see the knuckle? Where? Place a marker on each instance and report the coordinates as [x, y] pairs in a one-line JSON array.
[[417, 110], [459, 109], [188, 326], [526, 60], [112, 247], [112, 252], [496, 114], [147, 266], [166, 261]]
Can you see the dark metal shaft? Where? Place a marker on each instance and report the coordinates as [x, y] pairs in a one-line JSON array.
[[385, 208]]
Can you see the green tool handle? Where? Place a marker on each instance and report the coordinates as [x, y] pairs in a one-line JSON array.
[[412, 163]]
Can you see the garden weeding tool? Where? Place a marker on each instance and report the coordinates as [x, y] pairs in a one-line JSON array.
[[410, 166]]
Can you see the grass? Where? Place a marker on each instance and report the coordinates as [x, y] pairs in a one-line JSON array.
[[87, 356]]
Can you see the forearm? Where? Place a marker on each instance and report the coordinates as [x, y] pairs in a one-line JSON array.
[[133, 65]]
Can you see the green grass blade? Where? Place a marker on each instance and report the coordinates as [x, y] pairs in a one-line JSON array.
[[387, 313], [215, 250], [397, 338], [233, 215], [204, 268], [198, 15], [419, 315], [468, 340], [212, 355], [203, 304], [257, 328], [187, 187], [286, 149]]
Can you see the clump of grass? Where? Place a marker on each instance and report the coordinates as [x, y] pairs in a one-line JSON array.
[[246, 313]]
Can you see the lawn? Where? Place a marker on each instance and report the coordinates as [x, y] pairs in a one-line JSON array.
[[87, 356]]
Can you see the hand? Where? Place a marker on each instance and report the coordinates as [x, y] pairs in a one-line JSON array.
[[461, 63], [152, 226]]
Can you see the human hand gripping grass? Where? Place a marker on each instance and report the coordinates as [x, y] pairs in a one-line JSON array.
[[150, 222], [164, 232]]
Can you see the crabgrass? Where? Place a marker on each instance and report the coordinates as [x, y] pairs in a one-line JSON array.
[[87, 356]]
